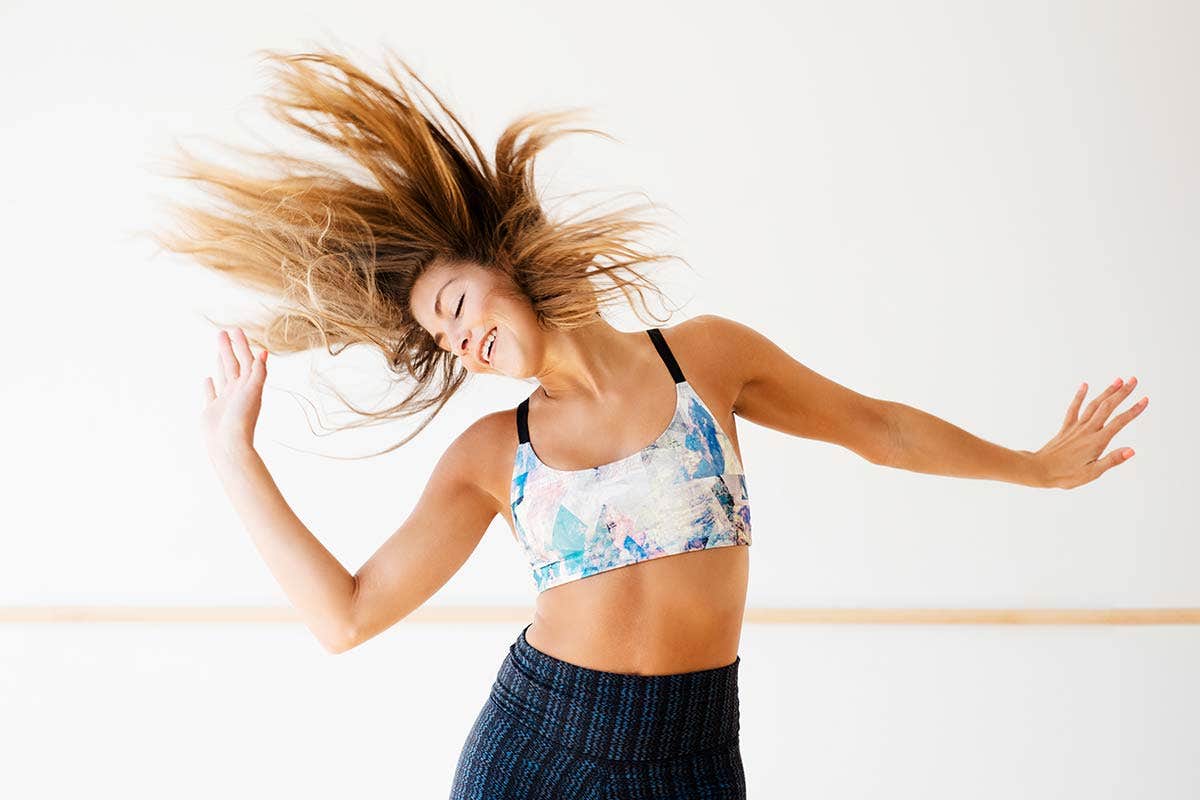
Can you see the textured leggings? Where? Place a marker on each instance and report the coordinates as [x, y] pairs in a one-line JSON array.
[[551, 729]]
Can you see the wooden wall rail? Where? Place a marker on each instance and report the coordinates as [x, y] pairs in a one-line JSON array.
[[518, 614]]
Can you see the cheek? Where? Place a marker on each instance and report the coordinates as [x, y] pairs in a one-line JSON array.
[[502, 309]]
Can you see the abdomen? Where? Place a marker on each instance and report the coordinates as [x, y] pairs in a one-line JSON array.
[[676, 613]]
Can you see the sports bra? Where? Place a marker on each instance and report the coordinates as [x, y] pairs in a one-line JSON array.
[[684, 491]]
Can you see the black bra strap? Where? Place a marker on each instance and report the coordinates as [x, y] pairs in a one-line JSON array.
[[660, 344], [668, 357], [523, 421]]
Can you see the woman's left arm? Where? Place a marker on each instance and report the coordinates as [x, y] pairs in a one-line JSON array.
[[778, 392], [1072, 458]]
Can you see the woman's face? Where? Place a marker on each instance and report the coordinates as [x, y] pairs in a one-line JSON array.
[[459, 304]]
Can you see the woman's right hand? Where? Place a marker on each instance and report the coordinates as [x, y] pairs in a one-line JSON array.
[[231, 406]]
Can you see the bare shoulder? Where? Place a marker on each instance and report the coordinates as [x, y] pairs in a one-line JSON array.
[[711, 351], [771, 388], [482, 455], [718, 332]]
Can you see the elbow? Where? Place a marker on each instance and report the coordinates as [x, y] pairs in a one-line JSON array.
[[348, 641], [343, 634]]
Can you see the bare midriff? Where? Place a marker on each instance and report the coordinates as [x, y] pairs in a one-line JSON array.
[[671, 614]]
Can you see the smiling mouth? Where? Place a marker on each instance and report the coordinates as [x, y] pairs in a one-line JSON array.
[[489, 344]]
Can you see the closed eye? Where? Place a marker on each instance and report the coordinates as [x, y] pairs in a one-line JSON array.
[[460, 305]]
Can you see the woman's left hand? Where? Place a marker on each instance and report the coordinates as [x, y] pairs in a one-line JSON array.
[[1072, 457]]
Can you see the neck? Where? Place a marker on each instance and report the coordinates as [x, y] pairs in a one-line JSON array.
[[590, 363]]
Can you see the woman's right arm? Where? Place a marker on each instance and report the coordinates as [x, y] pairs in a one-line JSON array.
[[344, 610], [341, 609], [315, 582], [434, 541]]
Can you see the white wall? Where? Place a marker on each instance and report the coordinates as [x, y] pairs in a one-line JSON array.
[[969, 208]]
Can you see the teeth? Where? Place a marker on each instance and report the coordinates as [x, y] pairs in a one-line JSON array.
[[487, 347]]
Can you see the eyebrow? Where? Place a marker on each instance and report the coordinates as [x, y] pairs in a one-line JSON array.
[[437, 309]]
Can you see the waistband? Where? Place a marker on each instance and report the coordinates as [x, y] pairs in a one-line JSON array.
[[614, 715]]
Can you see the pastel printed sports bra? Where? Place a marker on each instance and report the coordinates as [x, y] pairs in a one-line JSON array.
[[684, 491]]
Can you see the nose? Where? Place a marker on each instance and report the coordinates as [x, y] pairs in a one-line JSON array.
[[464, 344]]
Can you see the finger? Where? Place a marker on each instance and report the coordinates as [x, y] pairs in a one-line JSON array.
[[1114, 400], [229, 363], [1110, 460], [210, 394], [241, 349], [262, 364], [258, 369], [1073, 409], [1100, 398], [220, 381], [1125, 417]]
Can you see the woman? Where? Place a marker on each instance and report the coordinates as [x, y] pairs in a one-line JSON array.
[[625, 682]]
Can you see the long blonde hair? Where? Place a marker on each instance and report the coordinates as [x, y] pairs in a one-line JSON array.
[[340, 252]]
